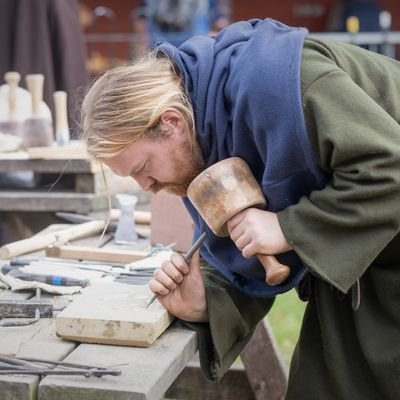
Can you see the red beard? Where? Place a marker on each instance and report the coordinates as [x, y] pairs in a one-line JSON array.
[[188, 163]]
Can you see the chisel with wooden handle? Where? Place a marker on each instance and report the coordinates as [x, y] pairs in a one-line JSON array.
[[39, 242]]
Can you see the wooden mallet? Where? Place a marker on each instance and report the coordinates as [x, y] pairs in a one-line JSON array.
[[223, 190], [38, 131]]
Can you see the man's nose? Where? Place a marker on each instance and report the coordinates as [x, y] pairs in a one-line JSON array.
[[144, 182]]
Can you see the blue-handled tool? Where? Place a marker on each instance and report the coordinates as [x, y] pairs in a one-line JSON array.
[[55, 280]]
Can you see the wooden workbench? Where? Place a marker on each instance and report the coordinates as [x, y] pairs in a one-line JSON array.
[[67, 182], [146, 372], [168, 367]]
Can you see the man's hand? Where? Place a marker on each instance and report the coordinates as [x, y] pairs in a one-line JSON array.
[[256, 231], [180, 287]]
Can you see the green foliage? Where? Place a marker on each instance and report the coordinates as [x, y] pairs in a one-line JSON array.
[[285, 318]]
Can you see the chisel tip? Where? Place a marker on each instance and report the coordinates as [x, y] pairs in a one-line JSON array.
[[152, 300]]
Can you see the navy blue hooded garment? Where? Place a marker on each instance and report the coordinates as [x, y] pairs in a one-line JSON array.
[[244, 85]]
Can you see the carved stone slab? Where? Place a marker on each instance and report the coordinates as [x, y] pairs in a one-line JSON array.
[[113, 313]]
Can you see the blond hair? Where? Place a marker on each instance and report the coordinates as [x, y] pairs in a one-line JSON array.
[[126, 103]]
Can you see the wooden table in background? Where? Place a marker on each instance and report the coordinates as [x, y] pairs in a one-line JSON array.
[[62, 181], [78, 185]]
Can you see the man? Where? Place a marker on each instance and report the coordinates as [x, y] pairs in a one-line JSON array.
[[175, 21], [45, 37], [318, 124]]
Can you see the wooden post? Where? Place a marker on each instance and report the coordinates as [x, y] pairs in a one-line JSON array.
[[264, 367], [263, 378], [193, 385]]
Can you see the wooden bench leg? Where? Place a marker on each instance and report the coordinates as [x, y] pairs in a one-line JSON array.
[[263, 378], [265, 370], [191, 384]]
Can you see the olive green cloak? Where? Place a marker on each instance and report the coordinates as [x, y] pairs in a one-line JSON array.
[[346, 233]]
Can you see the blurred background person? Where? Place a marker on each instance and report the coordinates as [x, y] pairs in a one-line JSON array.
[[41, 37], [367, 12], [175, 21], [45, 37]]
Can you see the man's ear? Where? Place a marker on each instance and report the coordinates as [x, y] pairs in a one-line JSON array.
[[170, 120]]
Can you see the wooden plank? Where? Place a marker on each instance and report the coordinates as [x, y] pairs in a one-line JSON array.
[[46, 344], [13, 155], [82, 203], [146, 372], [140, 217], [111, 255], [21, 387], [113, 313], [8, 295], [68, 152], [264, 367], [25, 308], [15, 340], [49, 166], [37, 340], [15, 337], [39, 242]]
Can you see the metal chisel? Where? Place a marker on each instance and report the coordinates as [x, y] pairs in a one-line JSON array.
[[186, 257]]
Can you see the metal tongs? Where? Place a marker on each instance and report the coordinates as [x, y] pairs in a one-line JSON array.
[[31, 366]]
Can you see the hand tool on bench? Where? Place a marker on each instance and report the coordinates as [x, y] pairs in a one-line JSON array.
[[15, 312], [75, 218], [53, 279], [111, 227], [223, 190], [186, 257], [119, 272], [141, 217], [17, 262], [34, 366], [39, 242]]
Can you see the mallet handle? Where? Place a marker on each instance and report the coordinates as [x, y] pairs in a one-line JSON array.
[[275, 272]]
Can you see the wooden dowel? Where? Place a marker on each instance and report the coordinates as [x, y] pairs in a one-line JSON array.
[[110, 255], [39, 242], [140, 217]]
